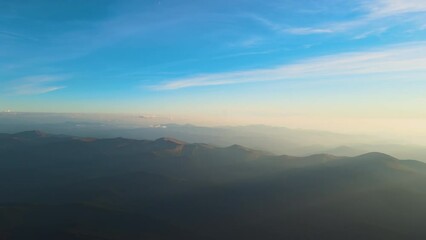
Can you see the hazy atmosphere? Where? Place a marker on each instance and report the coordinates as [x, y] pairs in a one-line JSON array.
[[212, 119], [345, 66]]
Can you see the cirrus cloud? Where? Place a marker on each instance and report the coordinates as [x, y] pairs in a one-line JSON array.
[[396, 61], [35, 85]]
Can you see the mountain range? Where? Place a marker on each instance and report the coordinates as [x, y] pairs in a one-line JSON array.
[[64, 187], [277, 140]]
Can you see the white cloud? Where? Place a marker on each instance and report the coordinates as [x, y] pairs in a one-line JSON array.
[[246, 43], [374, 11], [378, 31], [35, 85], [384, 8], [250, 42], [305, 31], [397, 60]]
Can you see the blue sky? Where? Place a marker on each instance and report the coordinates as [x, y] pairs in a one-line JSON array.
[[231, 62]]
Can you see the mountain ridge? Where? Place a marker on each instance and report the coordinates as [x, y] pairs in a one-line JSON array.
[[64, 187], [168, 142]]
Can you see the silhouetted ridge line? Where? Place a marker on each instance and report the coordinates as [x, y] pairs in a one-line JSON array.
[[32, 134], [169, 140], [377, 156]]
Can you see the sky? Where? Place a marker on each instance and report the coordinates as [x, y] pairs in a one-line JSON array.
[[339, 65]]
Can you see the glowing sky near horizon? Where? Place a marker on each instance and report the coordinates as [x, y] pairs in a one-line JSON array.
[[352, 66]]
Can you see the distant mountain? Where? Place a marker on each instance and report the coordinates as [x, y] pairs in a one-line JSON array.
[[274, 139], [345, 151], [62, 187], [278, 140]]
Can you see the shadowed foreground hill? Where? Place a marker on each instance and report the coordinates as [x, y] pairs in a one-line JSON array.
[[60, 187]]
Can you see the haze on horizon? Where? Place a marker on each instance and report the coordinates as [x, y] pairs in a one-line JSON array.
[[216, 120], [355, 67]]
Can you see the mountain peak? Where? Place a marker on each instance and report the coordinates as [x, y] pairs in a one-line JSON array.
[[167, 140], [323, 156], [376, 156], [236, 146]]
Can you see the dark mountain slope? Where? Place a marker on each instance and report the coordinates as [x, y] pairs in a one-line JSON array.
[[58, 187], [81, 222]]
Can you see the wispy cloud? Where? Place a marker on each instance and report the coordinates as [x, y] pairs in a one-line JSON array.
[[323, 29], [383, 8], [336, 27], [366, 34], [15, 36], [397, 60], [250, 42], [373, 11], [304, 31], [35, 85], [248, 53]]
